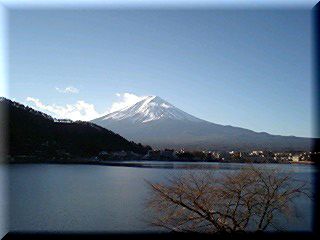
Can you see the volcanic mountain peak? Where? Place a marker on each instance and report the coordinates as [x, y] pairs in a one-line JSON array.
[[149, 109], [156, 122]]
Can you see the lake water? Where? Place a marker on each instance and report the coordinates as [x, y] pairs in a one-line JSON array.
[[95, 198]]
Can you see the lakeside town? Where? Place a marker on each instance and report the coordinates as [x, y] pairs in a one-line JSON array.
[[255, 156]]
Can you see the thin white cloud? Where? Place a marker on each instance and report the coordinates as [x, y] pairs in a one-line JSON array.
[[69, 89], [126, 99], [82, 110], [78, 111]]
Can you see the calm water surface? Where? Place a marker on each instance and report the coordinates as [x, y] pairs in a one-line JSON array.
[[50, 197]]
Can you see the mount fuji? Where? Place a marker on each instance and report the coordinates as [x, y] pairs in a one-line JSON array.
[[158, 123]]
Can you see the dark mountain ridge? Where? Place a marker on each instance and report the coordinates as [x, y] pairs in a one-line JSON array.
[[30, 132]]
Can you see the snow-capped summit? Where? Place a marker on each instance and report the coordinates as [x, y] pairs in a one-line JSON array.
[[154, 121], [150, 108]]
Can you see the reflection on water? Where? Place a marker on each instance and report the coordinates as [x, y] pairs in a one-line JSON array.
[[213, 165], [50, 197]]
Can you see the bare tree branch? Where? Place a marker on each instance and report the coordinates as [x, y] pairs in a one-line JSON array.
[[247, 200]]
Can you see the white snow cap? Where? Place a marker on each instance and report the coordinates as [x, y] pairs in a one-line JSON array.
[[151, 108]]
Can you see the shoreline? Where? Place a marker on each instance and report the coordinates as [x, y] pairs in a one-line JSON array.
[[147, 163]]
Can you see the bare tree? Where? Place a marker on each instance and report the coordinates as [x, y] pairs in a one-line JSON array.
[[247, 200]]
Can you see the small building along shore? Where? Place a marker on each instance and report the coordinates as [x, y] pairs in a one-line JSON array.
[[255, 156]]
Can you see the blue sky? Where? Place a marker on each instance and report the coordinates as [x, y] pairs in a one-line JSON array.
[[246, 68]]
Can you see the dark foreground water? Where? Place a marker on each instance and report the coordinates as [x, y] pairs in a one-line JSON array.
[[68, 198]]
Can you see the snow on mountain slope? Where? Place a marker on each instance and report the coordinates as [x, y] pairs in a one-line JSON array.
[[149, 109], [156, 122]]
